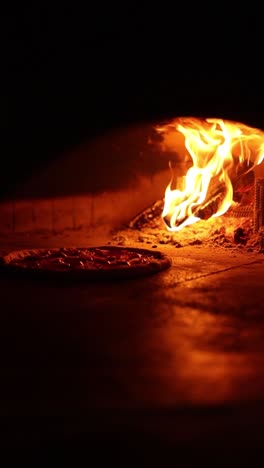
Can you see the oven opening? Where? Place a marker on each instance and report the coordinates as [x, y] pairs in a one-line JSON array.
[[184, 181]]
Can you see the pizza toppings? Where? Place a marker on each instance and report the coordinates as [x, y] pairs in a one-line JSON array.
[[99, 261], [83, 259]]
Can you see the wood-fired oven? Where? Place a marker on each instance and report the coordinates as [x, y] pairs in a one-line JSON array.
[[161, 371]]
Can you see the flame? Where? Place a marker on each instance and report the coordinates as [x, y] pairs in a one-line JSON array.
[[221, 152]]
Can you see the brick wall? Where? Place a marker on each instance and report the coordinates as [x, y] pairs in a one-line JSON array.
[[110, 208]]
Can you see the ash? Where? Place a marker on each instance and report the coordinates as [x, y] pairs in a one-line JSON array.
[[233, 233]]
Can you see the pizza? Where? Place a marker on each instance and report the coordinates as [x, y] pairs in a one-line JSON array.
[[104, 262]]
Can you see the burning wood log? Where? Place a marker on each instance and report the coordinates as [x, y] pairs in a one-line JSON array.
[[210, 206], [204, 212], [242, 183], [148, 216]]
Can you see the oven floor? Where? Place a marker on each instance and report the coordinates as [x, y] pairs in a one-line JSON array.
[[144, 372]]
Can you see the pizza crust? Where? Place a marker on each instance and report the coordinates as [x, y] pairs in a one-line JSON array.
[[156, 261]]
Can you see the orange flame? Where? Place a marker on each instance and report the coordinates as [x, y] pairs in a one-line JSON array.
[[220, 152]]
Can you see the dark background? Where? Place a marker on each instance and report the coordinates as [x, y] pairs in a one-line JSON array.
[[71, 73]]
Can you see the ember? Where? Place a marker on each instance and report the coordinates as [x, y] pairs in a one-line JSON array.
[[225, 231]]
